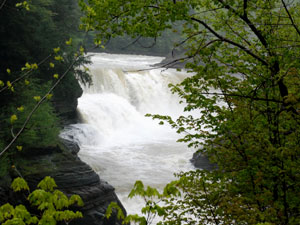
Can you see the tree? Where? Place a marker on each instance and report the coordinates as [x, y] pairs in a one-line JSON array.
[[245, 60], [30, 71], [49, 51]]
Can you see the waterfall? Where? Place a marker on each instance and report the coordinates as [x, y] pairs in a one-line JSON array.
[[115, 138]]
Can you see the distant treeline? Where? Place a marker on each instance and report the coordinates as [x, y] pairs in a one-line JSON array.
[[160, 46]]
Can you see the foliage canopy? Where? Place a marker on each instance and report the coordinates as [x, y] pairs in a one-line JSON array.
[[31, 67], [245, 56]]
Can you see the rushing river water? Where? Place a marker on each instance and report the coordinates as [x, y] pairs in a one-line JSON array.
[[115, 138]]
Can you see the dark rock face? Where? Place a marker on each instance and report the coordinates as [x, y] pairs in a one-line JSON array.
[[61, 162], [65, 100], [202, 162], [72, 176], [71, 146], [67, 111]]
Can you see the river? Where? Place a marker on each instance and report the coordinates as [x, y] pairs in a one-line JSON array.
[[115, 138]]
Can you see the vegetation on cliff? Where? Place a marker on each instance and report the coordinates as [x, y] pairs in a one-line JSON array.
[[51, 204], [39, 43], [34, 56], [245, 56]]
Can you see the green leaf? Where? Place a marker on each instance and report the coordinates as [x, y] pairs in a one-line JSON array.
[[13, 118], [56, 50], [6, 212], [138, 189], [76, 199], [19, 184], [47, 184], [60, 200]]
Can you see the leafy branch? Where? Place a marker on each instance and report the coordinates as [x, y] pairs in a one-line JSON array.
[[37, 106], [25, 74], [51, 202]]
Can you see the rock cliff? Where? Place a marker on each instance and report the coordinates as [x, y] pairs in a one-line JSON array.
[[65, 100], [72, 176], [61, 162]]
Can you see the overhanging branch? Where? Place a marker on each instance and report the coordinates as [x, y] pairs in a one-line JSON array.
[[25, 74], [242, 96], [243, 48], [290, 17], [36, 107]]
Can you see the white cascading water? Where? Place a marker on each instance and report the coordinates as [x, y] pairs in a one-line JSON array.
[[115, 138]]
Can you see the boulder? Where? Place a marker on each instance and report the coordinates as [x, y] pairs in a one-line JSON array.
[[201, 161]]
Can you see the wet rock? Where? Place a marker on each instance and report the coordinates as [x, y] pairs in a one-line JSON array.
[[201, 161], [71, 146], [65, 100], [72, 176]]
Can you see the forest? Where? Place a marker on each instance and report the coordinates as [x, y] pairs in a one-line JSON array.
[[244, 57]]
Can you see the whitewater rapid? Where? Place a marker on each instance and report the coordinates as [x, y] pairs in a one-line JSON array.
[[115, 138]]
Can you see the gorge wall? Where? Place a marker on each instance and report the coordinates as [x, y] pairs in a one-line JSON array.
[[61, 162]]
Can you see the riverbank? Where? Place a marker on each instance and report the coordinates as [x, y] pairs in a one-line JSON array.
[[61, 162]]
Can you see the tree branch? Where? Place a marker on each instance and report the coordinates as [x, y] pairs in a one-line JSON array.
[[245, 18], [2, 4], [27, 73], [237, 34], [231, 42], [36, 107], [245, 7], [241, 96], [188, 38], [290, 17], [132, 43]]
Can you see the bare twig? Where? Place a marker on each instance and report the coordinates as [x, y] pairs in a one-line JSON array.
[[132, 43], [290, 17], [26, 74], [245, 18], [241, 96], [36, 107], [243, 48], [2, 4]]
